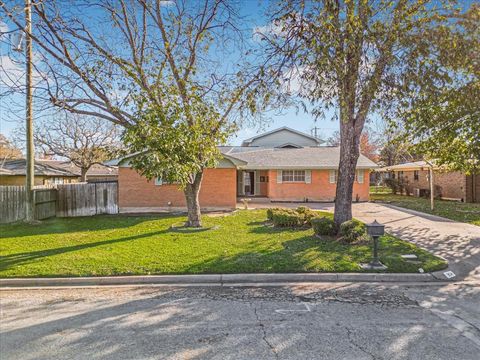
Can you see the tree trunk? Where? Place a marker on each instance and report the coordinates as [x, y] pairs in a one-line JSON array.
[[193, 205], [83, 174], [349, 153]]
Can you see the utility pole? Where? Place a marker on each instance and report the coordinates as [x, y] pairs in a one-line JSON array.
[[30, 171]]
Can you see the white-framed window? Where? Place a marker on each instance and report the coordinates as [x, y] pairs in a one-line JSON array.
[[359, 176], [158, 181], [332, 176], [293, 176]]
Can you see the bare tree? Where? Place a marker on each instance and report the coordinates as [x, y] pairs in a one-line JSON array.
[[359, 57], [8, 150], [158, 68], [83, 140]]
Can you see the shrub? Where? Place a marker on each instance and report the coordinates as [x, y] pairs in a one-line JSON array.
[[323, 226], [270, 214], [393, 184], [352, 231], [308, 214], [287, 218]]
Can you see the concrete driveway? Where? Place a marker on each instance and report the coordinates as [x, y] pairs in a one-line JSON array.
[[457, 242]]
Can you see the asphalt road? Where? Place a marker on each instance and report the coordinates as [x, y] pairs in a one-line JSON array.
[[325, 321]]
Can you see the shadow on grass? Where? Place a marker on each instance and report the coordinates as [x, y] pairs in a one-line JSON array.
[[13, 260], [79, 224]]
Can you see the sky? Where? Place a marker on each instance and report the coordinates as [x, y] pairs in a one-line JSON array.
[[254, 11]]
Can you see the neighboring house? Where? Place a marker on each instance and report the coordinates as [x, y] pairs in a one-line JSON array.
[[271, 166], [96, 173], [48, 172], [449, 185], [283, 137], [13, 172]]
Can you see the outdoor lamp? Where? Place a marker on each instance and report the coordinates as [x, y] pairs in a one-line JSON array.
[[375, 230]]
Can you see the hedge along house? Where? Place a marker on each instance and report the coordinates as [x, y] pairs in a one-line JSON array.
[[448, 185], [280, 165]]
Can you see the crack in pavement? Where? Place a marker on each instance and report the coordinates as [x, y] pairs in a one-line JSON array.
[[361, 348], [466, 328], [264, 336]]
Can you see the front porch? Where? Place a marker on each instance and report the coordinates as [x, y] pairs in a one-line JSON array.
[[252, 183]]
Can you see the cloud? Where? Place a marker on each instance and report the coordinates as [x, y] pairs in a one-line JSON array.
[[167, 3], [274, 28], [3, 27]]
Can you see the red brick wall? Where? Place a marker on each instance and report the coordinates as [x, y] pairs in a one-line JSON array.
[[453, 184], [319, 189], [218, 190]]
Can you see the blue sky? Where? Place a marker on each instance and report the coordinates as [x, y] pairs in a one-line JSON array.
[[253, 10]]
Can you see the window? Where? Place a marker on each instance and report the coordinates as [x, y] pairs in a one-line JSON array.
[[332, 176], [400, 175], [359, 176], [415, 175], [158, 181], [293, 176]]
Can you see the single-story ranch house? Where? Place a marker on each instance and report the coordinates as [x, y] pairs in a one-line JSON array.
[[280, 165], [50, 172], [448, 185]]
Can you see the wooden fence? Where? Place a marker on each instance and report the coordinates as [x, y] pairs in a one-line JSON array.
[[45, 203], [64, 200], [87, 199], [12, 203]]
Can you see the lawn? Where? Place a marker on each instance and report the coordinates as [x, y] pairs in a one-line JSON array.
[[464, 212], [134, 245]]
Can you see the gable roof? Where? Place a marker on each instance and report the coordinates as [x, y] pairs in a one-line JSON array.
[[283, 128], [54, 168], [42, 168], [323, 157]]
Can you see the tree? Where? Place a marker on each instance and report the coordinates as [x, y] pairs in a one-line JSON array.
[[368, 147], [8, 150], [155, 67], [360, 57], [83, 140], [443, 121]]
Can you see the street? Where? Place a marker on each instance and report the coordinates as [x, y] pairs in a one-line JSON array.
[[305, 321]]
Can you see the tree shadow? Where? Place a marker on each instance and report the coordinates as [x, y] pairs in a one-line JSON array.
[[215, 322], [79, 224], [17, 259]]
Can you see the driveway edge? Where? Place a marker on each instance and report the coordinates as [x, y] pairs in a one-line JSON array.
[[216, 279]]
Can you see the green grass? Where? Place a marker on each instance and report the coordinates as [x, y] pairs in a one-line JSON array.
[[241, 242], [464, 212], [380, 190]]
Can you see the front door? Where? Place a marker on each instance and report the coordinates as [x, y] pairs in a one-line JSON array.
[[249, 182]]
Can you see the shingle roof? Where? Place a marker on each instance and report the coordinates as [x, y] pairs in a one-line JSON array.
[[55, 168], [18, 167], [323, 157]]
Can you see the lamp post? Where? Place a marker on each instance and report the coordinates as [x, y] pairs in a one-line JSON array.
[[375, 230]]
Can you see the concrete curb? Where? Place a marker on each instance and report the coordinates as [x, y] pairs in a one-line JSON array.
[[216, 279]]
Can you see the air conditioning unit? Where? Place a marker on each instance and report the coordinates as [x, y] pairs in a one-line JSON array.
[[416, 192]]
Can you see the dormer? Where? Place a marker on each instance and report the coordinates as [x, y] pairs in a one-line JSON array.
[[283, 137]]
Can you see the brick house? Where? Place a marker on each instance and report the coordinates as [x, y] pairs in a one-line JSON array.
[[281, 165], [449, 185]]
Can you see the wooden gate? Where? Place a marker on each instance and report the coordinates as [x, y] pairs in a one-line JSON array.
[[45, 203], [87, 199]]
